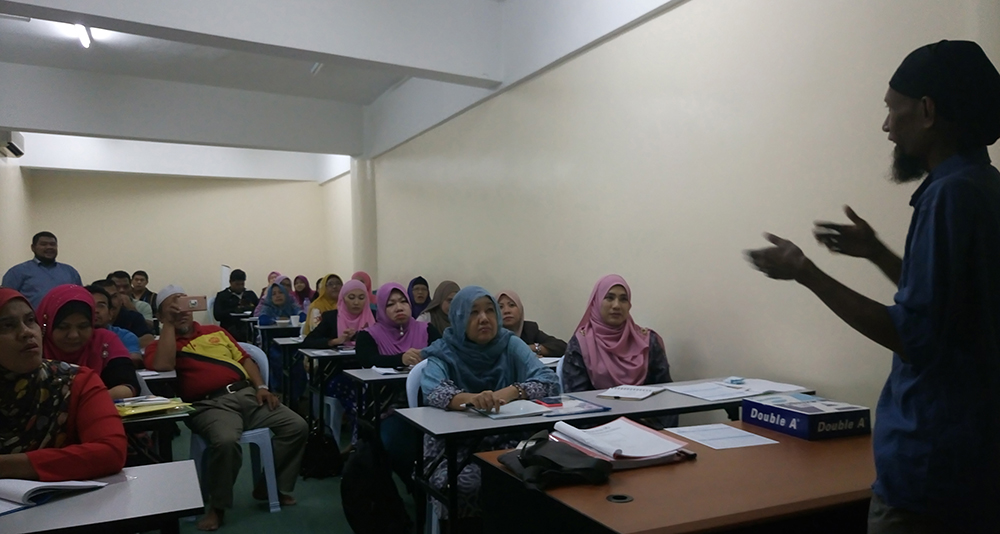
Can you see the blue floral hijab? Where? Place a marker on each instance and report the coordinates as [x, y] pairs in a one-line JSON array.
[[474, 368], [288, 309]]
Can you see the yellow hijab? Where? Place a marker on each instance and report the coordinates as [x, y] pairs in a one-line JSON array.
[[321, 305]]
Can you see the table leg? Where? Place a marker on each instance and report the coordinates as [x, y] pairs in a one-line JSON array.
[[420, 497], [286, 376], [164, 441], [451, 453], [170, 526], [733, 413]]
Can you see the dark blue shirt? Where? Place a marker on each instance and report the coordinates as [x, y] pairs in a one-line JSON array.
[[133, 322], [937, 434], [34, 279]]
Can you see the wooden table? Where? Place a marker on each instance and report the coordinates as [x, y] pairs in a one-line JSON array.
[[792, 486], [148, 497]]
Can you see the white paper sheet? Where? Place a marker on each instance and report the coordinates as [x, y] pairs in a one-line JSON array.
[[719, 436], [714, 391]]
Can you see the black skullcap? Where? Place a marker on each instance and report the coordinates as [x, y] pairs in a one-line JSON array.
[[237, 275], [963, 83]]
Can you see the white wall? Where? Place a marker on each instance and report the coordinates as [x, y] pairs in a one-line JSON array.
[[662, 155]]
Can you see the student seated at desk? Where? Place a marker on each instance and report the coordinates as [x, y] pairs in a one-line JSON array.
[[339, 327], [329, 291], [436, 312], [395, 340], [71, 335], [480, 363], [229, 395], [302, 293], [58, 421], [539, 342], [366, 279], [419, 293], [277, 303], [102, 319], [609, 349]]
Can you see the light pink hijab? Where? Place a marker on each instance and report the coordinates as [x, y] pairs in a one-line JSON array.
[[344, 318], [614, 356]]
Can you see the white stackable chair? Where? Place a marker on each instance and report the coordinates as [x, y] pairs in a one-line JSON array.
[[258, 437], [413, 399]]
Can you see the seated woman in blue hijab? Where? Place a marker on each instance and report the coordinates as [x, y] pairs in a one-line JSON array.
[[479, 363]]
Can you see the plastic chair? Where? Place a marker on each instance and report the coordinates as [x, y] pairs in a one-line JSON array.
[[143, 387], [413, 384], [433, 525], [258, 437]]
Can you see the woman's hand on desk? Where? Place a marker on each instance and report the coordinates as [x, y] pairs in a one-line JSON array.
[[411, 357]]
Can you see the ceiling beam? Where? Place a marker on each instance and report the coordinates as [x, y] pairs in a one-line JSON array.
[[48, 100], [454, 41]]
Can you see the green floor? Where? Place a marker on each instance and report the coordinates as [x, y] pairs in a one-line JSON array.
[[318, 508]]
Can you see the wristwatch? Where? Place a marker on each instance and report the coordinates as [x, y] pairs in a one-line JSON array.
[[536, 348], [263, 386]]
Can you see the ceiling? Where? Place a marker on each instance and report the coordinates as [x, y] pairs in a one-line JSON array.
[[55, 44]]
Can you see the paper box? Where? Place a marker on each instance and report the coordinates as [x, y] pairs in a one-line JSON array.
[[807, 416]]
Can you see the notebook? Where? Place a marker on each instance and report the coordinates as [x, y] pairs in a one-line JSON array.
[[16, 494], [518, 408], [631, 392]]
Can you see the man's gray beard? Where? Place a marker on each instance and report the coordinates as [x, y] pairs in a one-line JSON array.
[[184, 331], [906, 168]]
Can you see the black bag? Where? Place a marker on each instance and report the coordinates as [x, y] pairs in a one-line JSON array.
[[543, 464], [369, 496], [321, 458]]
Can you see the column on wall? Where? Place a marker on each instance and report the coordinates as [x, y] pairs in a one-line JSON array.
[[14, 232], [363, 217]]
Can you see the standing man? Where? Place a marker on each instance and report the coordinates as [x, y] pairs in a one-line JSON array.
[[937, 436], [35, 277], [233, 300]]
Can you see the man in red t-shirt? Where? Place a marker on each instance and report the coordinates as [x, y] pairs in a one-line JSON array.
[[229, 396]]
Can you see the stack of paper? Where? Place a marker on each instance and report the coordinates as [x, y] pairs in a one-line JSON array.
[[714, 391], [148, 404], [391, 370], [719, 436], [631, 392], [624, 443], [518, 408]]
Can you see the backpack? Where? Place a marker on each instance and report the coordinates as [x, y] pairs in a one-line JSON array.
[[369, 496], [321, 458]]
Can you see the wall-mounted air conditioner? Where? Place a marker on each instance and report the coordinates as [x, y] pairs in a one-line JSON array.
[[11, 144]]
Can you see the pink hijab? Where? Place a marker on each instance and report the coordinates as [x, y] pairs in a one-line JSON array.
[[614, 356], [344, 318], [390, 337], [366, 279]]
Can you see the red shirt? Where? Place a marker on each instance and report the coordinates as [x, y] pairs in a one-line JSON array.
[[208, 359], [96, 444]]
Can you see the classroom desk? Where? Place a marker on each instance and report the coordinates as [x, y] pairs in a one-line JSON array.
[[144, 498], [380, 389], [245, 323], [162, 425], [322, 365], [792, 486], [453, 426], [251, 325], [289, 349], [271, 331]]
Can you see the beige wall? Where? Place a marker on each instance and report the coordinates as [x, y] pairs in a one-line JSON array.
[[180, 229], [663, 154], [339, 227], [14, 235]]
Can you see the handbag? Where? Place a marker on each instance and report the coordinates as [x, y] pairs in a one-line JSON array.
[[542, 464]]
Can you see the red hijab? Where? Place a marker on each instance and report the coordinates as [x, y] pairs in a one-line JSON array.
[[103, 345], [614, 355]]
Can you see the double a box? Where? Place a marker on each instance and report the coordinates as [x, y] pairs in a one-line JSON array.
[[807, 416]]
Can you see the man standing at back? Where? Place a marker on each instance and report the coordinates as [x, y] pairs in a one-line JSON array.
[[35, 277], [937, 438]]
